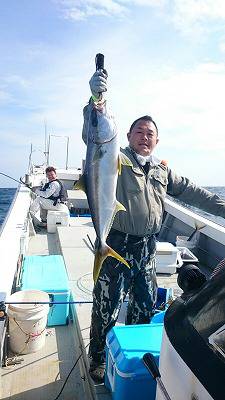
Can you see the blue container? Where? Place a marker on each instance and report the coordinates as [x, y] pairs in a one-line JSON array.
[[126, 375], [158, 318], [163, 295], [48, 273]]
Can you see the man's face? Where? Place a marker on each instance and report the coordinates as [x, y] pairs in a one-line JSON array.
[[51, 176], [143, 137]]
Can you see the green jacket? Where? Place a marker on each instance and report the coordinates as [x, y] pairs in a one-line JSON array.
[[143, 197]]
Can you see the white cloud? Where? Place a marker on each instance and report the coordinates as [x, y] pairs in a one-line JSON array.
[[198, 10], [16, 80], [9, 85], [145, 3], [188, 106], [5, 97], [190, 17], [197, 16], [222, 46], [82, 9]]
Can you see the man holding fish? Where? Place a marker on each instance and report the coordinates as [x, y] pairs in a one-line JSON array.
[[126, 189]]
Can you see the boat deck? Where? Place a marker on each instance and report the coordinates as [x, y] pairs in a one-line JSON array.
[[41, 375]]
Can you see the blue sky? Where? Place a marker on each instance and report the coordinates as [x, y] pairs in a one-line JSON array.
[[164, 58]]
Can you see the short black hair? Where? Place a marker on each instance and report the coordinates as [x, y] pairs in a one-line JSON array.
[[50, 169], [144, 118]]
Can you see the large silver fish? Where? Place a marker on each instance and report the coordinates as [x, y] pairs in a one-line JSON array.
[[99, 181]]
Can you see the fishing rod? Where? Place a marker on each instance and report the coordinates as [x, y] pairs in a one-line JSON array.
[[35, 303], [46, 302], [20, 181]]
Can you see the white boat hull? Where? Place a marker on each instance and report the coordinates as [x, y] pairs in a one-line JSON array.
[[179, 380]]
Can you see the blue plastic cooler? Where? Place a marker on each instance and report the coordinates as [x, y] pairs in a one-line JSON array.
[[126, 375], [48, 273]]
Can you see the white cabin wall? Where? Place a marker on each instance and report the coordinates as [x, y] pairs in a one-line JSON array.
[[179, 380]]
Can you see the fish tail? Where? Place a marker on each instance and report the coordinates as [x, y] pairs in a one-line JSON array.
[[100, 257]]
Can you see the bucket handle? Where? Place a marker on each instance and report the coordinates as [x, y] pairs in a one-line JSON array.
[[30, 335]]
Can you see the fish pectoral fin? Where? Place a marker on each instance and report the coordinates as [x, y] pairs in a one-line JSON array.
[[99, 153], [119, 165], [100, 258], [123, 160], [119, 207], [80, 185]]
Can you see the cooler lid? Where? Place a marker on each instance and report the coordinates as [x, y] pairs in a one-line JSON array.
[[46, 273]]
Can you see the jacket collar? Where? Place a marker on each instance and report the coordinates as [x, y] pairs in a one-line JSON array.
[[153, 160], [137, 165]]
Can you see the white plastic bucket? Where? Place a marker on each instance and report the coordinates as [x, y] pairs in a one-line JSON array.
[[27, 322]]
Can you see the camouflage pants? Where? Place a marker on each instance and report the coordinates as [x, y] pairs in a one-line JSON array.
[[116, 280]]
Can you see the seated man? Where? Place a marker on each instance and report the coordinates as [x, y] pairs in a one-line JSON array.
[[51, 197]]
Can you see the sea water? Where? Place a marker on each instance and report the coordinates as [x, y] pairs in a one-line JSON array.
[[6, 198]]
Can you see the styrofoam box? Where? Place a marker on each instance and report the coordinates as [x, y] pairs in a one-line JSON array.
[[166, 253], [166, 258], [55, 218], [166, 269]]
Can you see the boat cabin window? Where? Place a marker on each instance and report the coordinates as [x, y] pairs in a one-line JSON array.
[[217, 340]]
